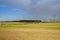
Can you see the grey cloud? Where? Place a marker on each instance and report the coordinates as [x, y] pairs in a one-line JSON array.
[[36, 7]]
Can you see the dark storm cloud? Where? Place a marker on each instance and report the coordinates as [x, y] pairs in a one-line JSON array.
[[35, 7]]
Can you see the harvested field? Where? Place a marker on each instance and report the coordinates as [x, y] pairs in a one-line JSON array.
[[28, 34], [29, 31]]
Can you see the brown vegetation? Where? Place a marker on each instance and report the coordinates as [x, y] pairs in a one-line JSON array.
[[29, 34]]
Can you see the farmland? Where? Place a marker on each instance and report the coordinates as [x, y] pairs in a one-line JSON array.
[[30, 25], [29, 31]]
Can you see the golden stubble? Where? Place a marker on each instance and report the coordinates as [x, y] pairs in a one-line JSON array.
[[29, 34]]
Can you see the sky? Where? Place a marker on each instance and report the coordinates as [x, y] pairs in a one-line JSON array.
[[29, 10]]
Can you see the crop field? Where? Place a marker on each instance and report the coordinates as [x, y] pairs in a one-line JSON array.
[[29, 31], [30, 25]]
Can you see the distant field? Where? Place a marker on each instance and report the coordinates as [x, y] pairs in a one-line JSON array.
[[30, 25], [29, 31]]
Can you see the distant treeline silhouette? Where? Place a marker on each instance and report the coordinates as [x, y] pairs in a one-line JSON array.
[[32, 21], [28, 21]]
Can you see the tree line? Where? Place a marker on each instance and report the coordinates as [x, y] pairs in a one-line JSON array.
[[28, 21]]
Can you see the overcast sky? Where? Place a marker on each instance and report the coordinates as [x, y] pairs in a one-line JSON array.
[[29, 9]]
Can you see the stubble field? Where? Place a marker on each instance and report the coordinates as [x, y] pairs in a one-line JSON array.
[[29, 31]]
